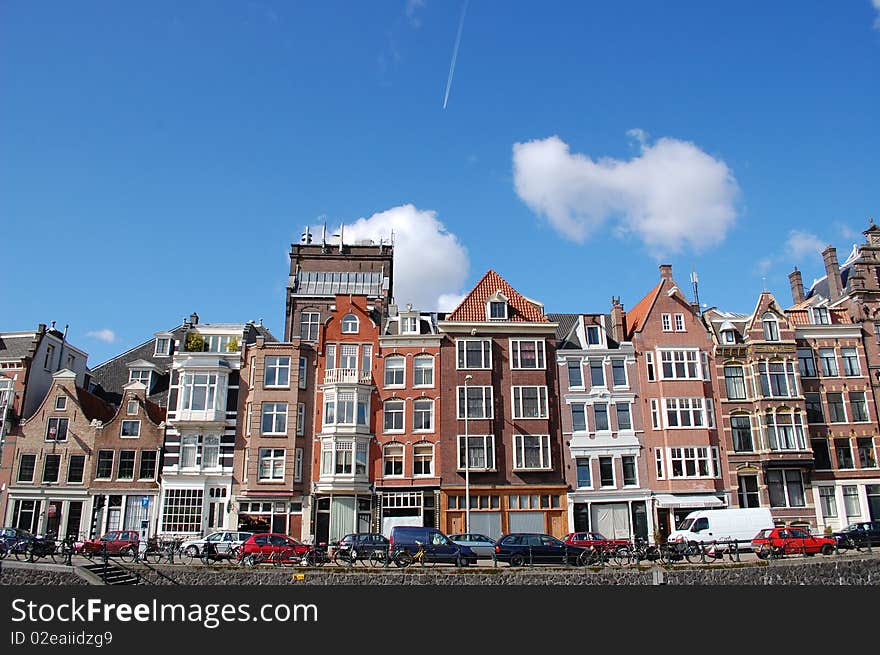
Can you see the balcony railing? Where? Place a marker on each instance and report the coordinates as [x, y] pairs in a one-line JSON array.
[[347, 375]]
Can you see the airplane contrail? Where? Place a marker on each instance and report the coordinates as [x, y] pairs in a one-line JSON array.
[[455, 53]]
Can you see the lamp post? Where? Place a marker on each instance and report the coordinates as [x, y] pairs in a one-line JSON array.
[[467, 459]]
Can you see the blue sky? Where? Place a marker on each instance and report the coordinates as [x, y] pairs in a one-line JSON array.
[[158, 159]]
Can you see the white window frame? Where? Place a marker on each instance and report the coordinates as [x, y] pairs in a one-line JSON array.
[[798, 432], [488, 402], [131, 407], [303, 372], [133, 465], [496, 301], [488, 449], [272, 409], [600, 336], [770, 327], [423, 445], [656, 420], [589, 467], [675, 357], [60, 403], [622, 361], [273, 459], [680, 325], [844, 359], [516, 393], [348, 322], [298, 465], [583, 408], [823, 359], [864, 403], [695, 455], [275, 364], [694, 406], [666, 322], [591, 366], [430, 414], [650, 367], [628, 406], [399, 413], [98, 463], [613, 484], [424, 370], [571, 364], [659, 464], [162, 352], [58, 421], [122, 434], [461, 354], [189, 382], [516, 355], [311, 321], [399, 458], [635, 462], [519, 462], [395, 365], [409, 324], [607, 418], [820, 316], [300, 419], [137, 375], [789, 374], [210, 445]]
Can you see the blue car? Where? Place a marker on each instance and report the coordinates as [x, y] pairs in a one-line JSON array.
[[439, 547], [522, 548]]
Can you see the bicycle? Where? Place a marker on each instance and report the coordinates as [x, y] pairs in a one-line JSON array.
[[680, 551], [316, 556], [157, 552], [718, 550], [637, 551], [403, 558]]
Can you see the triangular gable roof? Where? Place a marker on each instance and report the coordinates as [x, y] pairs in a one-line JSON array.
[[635, 317], [766, 303], [473, 307]]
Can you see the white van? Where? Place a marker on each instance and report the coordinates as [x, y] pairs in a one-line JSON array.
[[708, 525]]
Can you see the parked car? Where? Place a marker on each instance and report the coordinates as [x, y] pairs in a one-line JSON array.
[[534, 548], [858, 535], [10, 537], [482, 545], [117, 542], [440, 548], [790, 541], [362, 542], [595, 540], [267, 546], [227, 543]]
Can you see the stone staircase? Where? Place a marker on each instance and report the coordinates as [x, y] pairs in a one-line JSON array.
[[112, 574]]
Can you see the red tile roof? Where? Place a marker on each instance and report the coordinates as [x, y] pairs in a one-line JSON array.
[[637, 315], [473, 307], [802, 316]]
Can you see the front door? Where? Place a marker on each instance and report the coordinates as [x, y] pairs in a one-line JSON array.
[[53, 517], [663, 523]]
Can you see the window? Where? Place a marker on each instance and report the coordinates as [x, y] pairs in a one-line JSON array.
[[684, 412], [277, 373], [130, 430], [575, 374], [821, 316], [308, 325], [163, 346], [199, 390], [666, 322], [851, 503], [600, 413], [274, 418], [303, 379], [394, 371], [583, 472], [126, 465], [836, 410], [298, 465], [692, 462], [409, 324], [679, 364], [828, 362], [131, 407], [867, 458], [51, 466], [594, 337], [423, 459], [497, 310], [300, 419], [578, 417], [271, 465], [821, 454], [104, 468], [423, 371], [26, 466], [859, 406], [423, 415], [350, 324], [474, 353], [843, 450], [531, 451], [478, 404], [219, 343], [597, 373], [850, 359], [56, 429], [75, 468], [785, 431], [748, 491], [366, 358], [211, 451], [806, 363], [618, 372], [814, 408], [529, 402], [624, 419], [47, 362], [735, 381], [786, 488], [606, 472], [478, 452], [61, 403], [345, 408], [777, 379], [330, 356], [527, 354], [771, 327], [183, 510], [741, 428], [649, 364], [393, 413], [630, 478], [828, 502], [728, 336], [655, 413], [147, 469], [679, 323], [188, 451], [658, 462], [141, 375], [348, 356]]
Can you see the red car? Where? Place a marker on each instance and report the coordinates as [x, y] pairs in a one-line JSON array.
[[122, 543], [790, 541], [270, 547], [594, 539]]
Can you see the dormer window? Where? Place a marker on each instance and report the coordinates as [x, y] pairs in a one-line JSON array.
[[409, 325], [594, 336], [350, 324], [497, 310], [141, 375], [771, 327], [163, 346], [728, 336], [821, 316]]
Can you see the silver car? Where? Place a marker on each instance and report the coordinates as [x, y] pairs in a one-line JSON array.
[[224, 540], [482, 545]]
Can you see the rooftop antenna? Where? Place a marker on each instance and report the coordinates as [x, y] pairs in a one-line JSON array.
[[306, 237], [324, 236], [695, 280], [341, 235]]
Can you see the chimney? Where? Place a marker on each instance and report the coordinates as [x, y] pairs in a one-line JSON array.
[[666, 271], [618, 320], [797, 286], [832, 270], [194, 319]]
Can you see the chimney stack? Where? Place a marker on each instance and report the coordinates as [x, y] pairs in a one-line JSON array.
[[832, 270], [194, 319], [618, 320], [666, 271], [797, 286]]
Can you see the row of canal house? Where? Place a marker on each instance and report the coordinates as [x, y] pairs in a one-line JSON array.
[[497, 415]]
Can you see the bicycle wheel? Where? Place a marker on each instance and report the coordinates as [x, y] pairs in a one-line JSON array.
[[621, 556], [377, 558], [343, 558], [187, 555], [128, 554], [152, 556], [404, 558], [693, 553], [235, 553], [3, 551]]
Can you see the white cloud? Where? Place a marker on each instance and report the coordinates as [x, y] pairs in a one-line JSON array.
[[876, 4], [671, 195], [764, 265], [105, 335], [802, 245], [412, 6], [430, 263]]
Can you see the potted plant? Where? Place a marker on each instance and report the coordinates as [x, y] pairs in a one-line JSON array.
[[233, 345], [195, 342]]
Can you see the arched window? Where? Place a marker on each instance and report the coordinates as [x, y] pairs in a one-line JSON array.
[[423, 415], [735, 380], [393, 415], [423, 459], [395, 370], [350, 324], [741, 428], [423, 371], [771, 327], [392, 456], [308, 325]]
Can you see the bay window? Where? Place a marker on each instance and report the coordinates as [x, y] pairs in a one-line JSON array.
[[199, 391], [785, 430]]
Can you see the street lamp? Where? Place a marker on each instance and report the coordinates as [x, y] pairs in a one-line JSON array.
[[467, 459]]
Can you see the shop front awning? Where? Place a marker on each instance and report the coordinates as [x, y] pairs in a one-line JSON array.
[[696, 502]]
